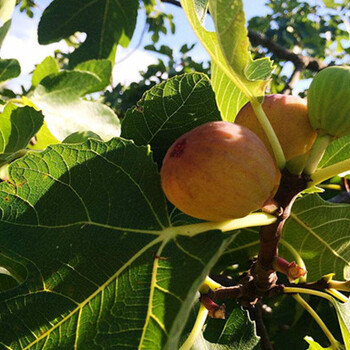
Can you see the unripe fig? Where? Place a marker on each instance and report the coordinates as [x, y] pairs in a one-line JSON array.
[[288, 117], [328, 101], [218, 171]]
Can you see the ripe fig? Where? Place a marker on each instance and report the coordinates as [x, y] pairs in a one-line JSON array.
[[289, 118], [218, 171], [328, 101]]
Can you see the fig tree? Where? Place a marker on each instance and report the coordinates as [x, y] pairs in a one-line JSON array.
[[288, 116], [219, 171]]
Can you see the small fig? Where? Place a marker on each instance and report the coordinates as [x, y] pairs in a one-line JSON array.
[[218, 171], [328, 101], [289, 118]]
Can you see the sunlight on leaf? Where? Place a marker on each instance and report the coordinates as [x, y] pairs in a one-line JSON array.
[[18, 126], [59, 97], [319, 231], [105, 256], [246, 75], [170, 109]]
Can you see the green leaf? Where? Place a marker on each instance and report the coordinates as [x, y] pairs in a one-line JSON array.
[[336, 152], [101, 68], [48, 66], [228, 49], [343, 313], [59, 97], [88, 225], [9, 68], [4, 30], [18, 126], [229, 98], [320, 232], [6, 9], [236, 333], [170, 109], [104, 22], [43, 138]]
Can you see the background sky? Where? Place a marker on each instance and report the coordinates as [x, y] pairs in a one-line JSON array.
[[21, 43]]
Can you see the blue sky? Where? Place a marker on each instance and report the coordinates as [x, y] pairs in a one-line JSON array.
[[21, 43]]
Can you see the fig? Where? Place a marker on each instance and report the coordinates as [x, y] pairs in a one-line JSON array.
[[218, 171], [288, 116], [328, 101]]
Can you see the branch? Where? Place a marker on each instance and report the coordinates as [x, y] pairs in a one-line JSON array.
[[279, 51], [256, 315], [293, 80]]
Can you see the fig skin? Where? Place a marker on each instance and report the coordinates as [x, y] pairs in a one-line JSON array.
[[329, 101], [218, 171], [288, 116]]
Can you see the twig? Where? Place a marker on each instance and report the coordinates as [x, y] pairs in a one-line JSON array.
[[255, 313], [293, 80], [279, 51]]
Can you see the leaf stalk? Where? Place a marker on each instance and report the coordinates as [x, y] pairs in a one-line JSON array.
[[328, 172], [334, 343], [270, 133]]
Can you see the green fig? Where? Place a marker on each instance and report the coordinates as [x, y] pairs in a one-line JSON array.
[[328, 102]]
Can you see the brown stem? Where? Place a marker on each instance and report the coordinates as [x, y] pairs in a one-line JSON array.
[[282, 53], [256, 315], [263, 271]]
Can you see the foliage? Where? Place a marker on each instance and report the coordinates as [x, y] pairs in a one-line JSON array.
[[92, 255]]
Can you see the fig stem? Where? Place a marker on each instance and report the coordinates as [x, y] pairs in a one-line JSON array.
[[251, 220], [328, 172], [209, 284], [270, 133], [334, 343], [317, 151], [197, 328], [291, 269]]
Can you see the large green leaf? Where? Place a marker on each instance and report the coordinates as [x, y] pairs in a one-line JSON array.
[[9, 68], [17, 127], [228, 48], [48, 66], [343, 312], [105, 22], [320, 232], [59, 97], [229, 98], [100, 68], [4, 30], [236, 333], [86, 229], [336, 152], [170, 109]]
